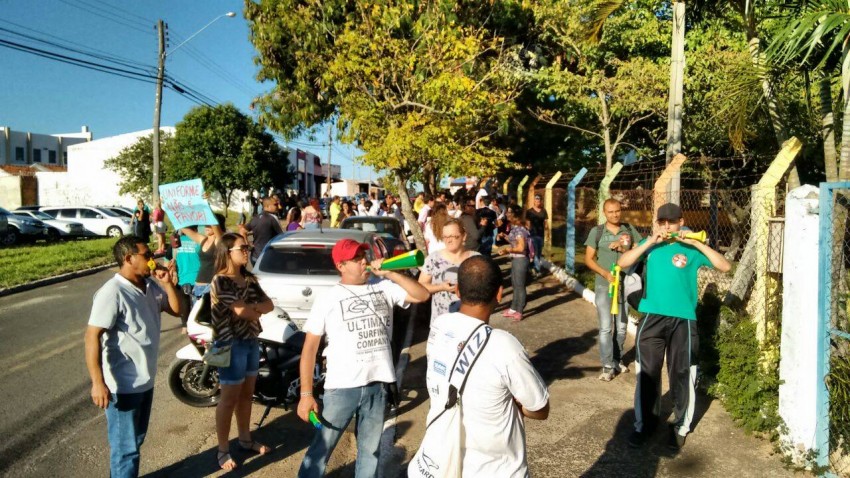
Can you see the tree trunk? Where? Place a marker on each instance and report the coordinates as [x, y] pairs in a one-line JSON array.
[[844, 162], [828, 129], [225, 199], [407, 211], [605, 120], [429, 178], [779, 130]]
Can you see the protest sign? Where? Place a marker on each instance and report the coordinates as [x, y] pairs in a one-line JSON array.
[[185, 204]]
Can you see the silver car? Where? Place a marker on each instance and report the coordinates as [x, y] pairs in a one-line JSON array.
[[296, 268], [23, 228], [58, 226], [98, 221]]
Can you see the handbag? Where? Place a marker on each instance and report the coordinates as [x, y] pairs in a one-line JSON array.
[[440, 455], [218, 355]]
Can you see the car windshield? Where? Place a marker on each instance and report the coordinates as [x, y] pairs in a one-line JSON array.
[[109, 212], [386, 228], [38, 214], [4, 212], [298, 261]]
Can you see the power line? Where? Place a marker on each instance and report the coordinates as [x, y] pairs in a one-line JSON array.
[[71, 42], [147, 21], [117, 61], [214, 67], [136, 75], [116, 19]]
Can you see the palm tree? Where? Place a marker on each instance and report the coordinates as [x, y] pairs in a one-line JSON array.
[[815, 34]]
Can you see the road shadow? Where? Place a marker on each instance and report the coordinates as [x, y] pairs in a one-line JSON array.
[[619, 460], [552, 360], [286, 435]]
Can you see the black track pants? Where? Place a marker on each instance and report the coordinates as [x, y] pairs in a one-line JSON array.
[[657, 335]]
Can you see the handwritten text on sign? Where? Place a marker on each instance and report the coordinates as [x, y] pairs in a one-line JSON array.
[[185, 205]]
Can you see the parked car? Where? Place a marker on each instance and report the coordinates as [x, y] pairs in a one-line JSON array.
[[296, 267], [98, 221], [58, 227], [4, 228], [388, 227], [23, 228], [121, 211]]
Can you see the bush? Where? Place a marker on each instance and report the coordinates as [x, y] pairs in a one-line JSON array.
[[746, 383]]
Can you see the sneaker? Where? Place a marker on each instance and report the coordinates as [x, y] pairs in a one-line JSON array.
[[508, 313], [607, 374], [516, 317], [622, 368], [675, 442], [637, 439]]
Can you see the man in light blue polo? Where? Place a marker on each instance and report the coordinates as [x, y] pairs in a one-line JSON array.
[[122, 343]]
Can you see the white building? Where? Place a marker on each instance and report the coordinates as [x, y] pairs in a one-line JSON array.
[[21, 148]]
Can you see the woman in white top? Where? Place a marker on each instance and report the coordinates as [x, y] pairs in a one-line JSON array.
[[434, 228], [439, 273]]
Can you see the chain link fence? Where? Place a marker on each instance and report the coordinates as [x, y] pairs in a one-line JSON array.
[[838, 379]]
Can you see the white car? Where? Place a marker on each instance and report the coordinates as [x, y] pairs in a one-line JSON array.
[[98, 221], [64, 228], [296, 268]]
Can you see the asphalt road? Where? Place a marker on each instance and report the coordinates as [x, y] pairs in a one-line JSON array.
[[49, 427]]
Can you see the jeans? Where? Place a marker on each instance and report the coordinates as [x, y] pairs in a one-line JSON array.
[[486, 247], [610, 351], [244, 362], [519, 275], [339, 407], [538, 250], [127, 417]]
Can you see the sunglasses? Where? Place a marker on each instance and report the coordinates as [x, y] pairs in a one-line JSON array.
[[147, 255], [243, 248]]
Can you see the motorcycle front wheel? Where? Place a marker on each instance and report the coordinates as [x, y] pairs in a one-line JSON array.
[[186, 383]]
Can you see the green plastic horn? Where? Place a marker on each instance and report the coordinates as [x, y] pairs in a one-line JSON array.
[[408, 260]]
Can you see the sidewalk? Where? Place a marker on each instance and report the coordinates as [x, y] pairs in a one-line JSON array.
[[590, 420]]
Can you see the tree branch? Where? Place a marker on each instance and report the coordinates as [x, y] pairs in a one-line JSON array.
[[548, 120]]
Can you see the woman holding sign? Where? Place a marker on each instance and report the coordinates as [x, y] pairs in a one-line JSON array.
[[206, 255]]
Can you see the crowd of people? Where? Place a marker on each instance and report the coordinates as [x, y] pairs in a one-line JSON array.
[[464, 287]]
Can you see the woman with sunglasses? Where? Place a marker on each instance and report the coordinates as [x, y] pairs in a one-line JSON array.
[[439, 273], [237, 304], [518, 239]]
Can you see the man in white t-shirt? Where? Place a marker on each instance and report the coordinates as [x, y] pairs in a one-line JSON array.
[[426, 209], [502, 388], [479, 198], [357, 317]]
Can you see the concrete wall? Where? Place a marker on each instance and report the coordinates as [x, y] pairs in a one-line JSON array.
[[798, 365], [10, 192]]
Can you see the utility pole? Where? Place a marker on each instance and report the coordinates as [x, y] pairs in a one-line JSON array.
[[674, 107], [330, 146], [157, 109]]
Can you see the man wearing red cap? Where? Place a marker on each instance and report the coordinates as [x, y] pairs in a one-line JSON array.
[[356, 315], [669, 302]]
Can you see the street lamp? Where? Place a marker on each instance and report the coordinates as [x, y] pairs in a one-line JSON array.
[[160, 75]]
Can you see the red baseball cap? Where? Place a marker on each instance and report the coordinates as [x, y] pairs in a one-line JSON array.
[[346, 249]]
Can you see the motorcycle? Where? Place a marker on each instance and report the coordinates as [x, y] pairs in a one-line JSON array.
[[278, 380]]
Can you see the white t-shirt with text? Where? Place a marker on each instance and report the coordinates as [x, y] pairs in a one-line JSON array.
[[494, 427], [358, 321]]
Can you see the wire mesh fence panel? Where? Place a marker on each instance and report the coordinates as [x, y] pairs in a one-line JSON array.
[[838, 379]]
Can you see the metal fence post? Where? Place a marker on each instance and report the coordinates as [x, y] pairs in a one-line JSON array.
[[604, 190], [824, 320], [662, 190], [570, 253], [505, 185], [519, 190], [547, 204]]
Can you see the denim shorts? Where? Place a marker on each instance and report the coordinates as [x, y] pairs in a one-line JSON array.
[[244, 362]]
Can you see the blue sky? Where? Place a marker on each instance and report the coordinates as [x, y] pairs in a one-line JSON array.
[[46, 96]]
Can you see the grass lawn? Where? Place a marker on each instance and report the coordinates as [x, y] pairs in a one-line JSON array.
[[26, 263]]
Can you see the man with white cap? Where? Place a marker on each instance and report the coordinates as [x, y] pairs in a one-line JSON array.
[[357, 316]]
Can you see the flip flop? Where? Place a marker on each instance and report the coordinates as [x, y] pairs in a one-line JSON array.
[[223, 460], [254, 446]]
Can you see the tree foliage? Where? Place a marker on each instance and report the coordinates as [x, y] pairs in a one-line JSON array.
[[423, 88], [605, 83], [228, 151], [134, 164]]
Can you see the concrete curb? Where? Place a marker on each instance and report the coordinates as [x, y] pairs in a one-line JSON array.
[[53, 280]]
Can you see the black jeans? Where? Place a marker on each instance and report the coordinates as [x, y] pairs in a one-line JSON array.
[[519, 275]]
